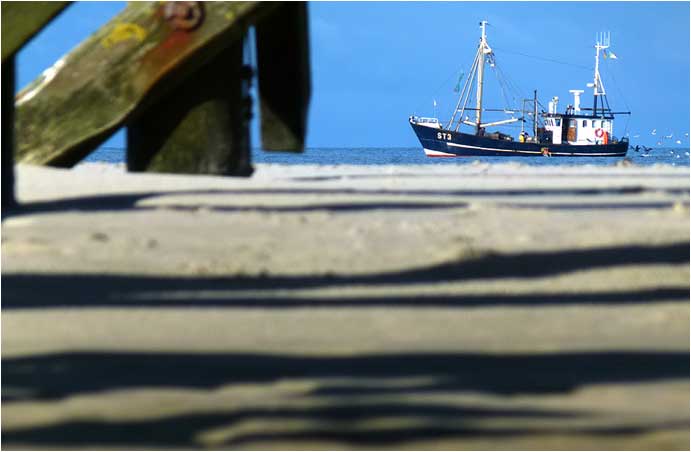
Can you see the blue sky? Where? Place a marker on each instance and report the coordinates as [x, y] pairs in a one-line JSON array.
[[375, 63]]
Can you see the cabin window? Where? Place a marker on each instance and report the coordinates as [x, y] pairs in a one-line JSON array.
[[593, 124], [585, 123], [558, 122], [602, 124]]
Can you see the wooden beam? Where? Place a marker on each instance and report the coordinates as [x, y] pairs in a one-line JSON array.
[[22, 20], [284, 77], [131, 63]]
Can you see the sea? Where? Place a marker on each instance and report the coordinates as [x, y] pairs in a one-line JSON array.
[[415, 156]]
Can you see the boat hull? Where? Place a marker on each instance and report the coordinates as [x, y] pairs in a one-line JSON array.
[[447, 143]]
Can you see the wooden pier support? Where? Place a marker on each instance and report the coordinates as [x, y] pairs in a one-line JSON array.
[[201, 127], [284, 77], [172, 73], [20, 22], [8, 200]]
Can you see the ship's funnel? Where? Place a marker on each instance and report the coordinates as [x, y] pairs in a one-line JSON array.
[[576, 99]]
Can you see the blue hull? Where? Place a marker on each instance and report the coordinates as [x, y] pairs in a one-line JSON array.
[[447, 143]]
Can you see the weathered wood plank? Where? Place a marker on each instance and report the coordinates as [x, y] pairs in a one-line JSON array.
[[203, 128], [284, 77], [22, 20], [126, 66]]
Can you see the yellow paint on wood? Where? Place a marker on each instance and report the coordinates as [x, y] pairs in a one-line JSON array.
[[124, 32]]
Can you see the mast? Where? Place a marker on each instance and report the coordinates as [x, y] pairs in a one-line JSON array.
[[484, 48], [601, 43], [535, 114], [477, 70]]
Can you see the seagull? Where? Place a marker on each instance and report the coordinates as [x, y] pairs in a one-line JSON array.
[[670, 135], [636, 136], [678, 142], [654, 132]]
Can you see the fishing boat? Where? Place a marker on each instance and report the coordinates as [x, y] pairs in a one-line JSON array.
[[577, 132]]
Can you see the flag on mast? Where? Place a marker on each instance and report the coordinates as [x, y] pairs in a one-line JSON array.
[[458, 83], [609, 54]]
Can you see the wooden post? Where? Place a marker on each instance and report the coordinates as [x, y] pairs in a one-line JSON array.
[[144, 54], [201, 127], [172, 73], [284, 77], [20, 22], [8, 200]]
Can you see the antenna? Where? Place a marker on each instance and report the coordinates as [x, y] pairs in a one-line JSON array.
[[602, 41]]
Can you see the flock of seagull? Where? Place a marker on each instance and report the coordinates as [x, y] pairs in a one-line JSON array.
[[646, 150], [661, 140]]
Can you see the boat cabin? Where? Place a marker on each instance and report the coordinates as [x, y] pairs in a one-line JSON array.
[[574, 126]]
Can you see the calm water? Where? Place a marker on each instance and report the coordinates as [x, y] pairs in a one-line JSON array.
[[415, 156]]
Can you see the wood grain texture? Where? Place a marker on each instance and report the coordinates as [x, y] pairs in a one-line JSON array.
[[22, 20], [129, 64]]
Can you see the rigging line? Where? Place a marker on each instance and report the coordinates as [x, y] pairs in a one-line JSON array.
[[507, 103], [546, 59], [465, 99], [610, 74], [471, 80], [516, 93], [436, 91], [461, 95], [519, 91]]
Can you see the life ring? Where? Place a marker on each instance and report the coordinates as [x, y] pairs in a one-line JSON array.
[[599, 133]]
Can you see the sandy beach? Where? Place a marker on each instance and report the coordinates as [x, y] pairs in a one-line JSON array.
[[348, 307]]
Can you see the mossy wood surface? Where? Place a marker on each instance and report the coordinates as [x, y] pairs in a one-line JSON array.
[[22, 20], [129, 64], [203, 130]]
